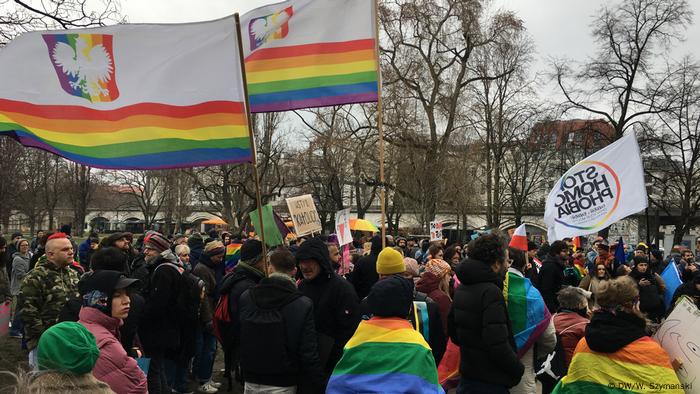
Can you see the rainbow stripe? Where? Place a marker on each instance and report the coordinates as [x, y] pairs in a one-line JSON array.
[[232, 257], [68, 82], [528, 314], [312, 75], [139, 136], [617, 198], [385, 355], [632, 369]]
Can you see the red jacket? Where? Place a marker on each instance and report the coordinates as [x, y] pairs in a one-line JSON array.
[[428, 284], [570, 327], [114, 366]]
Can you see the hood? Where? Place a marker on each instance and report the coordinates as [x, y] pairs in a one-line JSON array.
[[609, 332], [240, 272], [474, 271], [553, 260], [94, 316], [315, 249], [376, 245], [274, 292], [23, 256], [427, 283]]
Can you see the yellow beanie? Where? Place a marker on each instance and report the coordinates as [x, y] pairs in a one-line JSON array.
[[390, 262]]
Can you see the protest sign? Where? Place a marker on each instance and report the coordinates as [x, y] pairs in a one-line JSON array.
[[435, 231], [342, 226], [598, 191], [304, 215], [679, 335]]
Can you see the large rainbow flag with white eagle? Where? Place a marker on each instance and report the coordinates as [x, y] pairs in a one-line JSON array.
[[141, 96], [386, 355], [310, 53]]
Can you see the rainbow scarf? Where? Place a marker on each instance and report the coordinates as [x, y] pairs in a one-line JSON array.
[[386, 355], [233, 256], [528, 314], [579, 270], [640, 367]]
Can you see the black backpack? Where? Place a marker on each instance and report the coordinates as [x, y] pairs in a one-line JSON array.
[[265, 347]]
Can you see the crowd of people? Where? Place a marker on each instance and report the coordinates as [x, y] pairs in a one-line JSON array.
[[148, 315]]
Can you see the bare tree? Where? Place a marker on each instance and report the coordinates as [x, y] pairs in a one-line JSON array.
[[12, 155], [228, 191], [620, 82], [145, 189], [21, 16], [429, 52], [673, 147]]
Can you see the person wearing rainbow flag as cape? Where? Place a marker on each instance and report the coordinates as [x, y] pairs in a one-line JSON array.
[[386, 354], [616, 355]]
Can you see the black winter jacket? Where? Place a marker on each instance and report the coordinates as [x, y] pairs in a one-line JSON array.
[[261, 353], [242, 278], [478, 322], [160, 328], [365, 273], [336, 307], [550, 280]]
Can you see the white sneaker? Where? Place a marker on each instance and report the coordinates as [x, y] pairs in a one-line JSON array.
[[214, 384], [207, 388]]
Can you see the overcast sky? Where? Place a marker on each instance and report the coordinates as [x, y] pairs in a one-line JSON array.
[[560, 28]]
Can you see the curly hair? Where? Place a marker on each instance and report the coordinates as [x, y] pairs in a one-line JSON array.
[[488, 249], [618, 292]]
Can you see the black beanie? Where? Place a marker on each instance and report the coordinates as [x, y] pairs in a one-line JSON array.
[[391, 297], [251, 250]]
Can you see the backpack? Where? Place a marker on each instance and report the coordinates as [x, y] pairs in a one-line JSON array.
[[188, 299], [553, 366], [221, 318]]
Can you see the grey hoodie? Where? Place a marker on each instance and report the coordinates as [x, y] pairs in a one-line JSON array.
[[20, 267]]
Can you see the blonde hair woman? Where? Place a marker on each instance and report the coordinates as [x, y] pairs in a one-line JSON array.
[[435, 282]]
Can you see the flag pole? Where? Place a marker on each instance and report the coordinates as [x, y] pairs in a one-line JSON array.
[[380, 127], [258, 199]]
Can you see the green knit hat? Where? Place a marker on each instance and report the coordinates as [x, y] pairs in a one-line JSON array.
[[67, 347]]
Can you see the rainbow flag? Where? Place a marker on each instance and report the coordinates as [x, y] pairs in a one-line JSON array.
[[386, 355], [310, 53], [232, 257], [632, 369], [528, 314], [108, 98]]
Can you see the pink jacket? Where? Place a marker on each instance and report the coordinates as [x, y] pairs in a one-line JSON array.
[[114, 366]]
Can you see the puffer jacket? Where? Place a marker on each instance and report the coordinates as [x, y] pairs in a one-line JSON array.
[[114, 366], [478, 323]]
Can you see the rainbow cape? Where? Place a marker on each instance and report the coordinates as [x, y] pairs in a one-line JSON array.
[[640, 367], [528, 314], [386, 355], [232, 257]]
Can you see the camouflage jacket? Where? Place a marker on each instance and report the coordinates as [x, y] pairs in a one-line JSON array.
[[43, 294]]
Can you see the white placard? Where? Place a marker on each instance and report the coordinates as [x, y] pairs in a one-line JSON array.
[[304, 215]]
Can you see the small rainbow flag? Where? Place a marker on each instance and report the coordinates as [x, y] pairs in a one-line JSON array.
[[632, 369], [385, 355], [528, 314], [310, 53], [232, 257]]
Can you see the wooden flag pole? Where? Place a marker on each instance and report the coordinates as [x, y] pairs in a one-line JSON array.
[[380, 127], [258, 199]]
